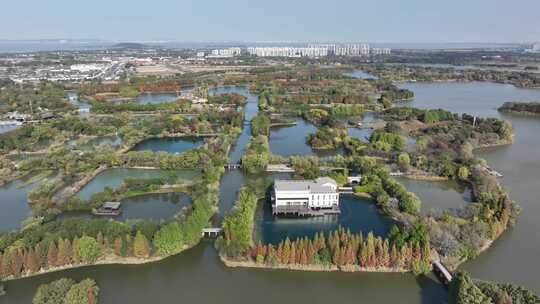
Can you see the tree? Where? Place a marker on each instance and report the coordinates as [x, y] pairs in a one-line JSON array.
[[169, 239], [52, 254], [118, 244], [404, 161], [141, 246], [54, 292], [463, 291], [84, 292], [463, 173], [89, 249]]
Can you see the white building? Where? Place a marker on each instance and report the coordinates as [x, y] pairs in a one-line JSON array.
[[225, 53], [305, 198], [381, 51], [288, 51]]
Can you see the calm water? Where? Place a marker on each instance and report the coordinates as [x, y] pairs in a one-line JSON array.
[[229, 187], [14, 205], [478, 98], [288, 141], [197, 276], [113, 141], [438, 195], [171, 145], [4, 129], [84, 106], [251, 110], [361, 75], [155, 98], [358, 215], [154, 207], [113, 178]]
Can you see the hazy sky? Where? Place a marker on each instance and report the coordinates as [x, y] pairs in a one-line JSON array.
[[274, 20]]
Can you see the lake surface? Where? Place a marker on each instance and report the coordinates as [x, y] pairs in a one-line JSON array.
[[357, 214], [84, 106], [153, 207], [113, 141], [478, 98], [289, 141], [361, 75], [171, 145], [197, 275], [437, 195], [14, 205], [155, 98]]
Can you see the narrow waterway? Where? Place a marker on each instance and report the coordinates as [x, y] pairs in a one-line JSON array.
[[14, 204]]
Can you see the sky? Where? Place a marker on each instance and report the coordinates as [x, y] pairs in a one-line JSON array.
[[401, 21]]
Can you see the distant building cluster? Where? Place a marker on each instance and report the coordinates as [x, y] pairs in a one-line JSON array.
[[381, 51], [225, 53], [361, 49], [318, 50], [288, 51]]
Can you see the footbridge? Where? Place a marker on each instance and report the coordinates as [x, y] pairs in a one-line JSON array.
[[442, 273], [211, 232]]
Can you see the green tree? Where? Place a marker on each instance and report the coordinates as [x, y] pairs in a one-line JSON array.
[[84, 292], [141, 246], [54, 292], [89, 249]]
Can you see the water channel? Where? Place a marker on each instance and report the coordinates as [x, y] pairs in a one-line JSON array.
[[197, 276]]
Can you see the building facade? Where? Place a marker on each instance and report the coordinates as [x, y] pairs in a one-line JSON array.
[[305, 198]]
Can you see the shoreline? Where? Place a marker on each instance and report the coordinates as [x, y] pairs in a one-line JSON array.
[[309, 268]]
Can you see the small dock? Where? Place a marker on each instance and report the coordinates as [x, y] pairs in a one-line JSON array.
[[109, 209], [211, 232]]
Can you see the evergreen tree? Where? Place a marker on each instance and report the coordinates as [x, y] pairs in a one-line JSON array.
[[52, 255], [76, 252], [141, 246], [286, 251], [32, 263], [279, 253], [118, 244], [292, 256]]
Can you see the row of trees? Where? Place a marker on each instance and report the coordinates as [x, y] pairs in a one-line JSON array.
[[85, 250], [67, 291], [175, 236], [343, 248], [260, 125], [521, 107], [238, 226], [257, 155]]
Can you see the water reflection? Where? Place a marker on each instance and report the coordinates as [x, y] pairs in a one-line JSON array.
[[170, 144], [357, 214]]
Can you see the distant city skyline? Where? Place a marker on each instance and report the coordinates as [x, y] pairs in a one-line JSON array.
[[413, 21]]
